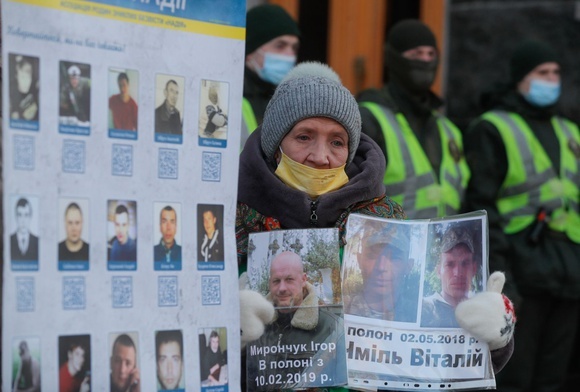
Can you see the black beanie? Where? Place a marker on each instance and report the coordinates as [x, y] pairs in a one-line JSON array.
[[266, 22], [527, 56], [410, 33]]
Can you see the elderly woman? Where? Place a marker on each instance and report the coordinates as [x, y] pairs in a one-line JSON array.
[[309, 166]]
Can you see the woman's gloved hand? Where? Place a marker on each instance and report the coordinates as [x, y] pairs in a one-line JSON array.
[[255, 312], [490, 315]]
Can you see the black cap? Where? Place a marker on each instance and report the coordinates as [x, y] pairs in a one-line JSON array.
[[410, 33], [527, 56], [266, 22]]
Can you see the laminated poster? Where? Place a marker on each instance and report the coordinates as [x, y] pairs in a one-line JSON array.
[[401, 283], [304, 347], [120, 167]]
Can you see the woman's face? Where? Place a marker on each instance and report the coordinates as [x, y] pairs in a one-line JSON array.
[[317, 142]]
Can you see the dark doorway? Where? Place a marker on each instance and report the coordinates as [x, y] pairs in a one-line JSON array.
[[314, 28]]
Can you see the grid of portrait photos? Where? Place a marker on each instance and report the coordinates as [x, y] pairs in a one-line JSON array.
[[119, 171], [80, 219], [124, 90], [74, 231]]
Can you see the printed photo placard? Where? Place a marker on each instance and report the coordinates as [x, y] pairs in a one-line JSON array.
[[299, 272], [401, 283]]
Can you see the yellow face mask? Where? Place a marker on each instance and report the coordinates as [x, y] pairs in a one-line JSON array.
[[314, 182]]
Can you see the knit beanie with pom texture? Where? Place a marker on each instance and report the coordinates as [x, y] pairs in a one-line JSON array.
[[310, 89]]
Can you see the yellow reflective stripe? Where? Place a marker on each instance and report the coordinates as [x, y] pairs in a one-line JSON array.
[[407, 174], [573, 227], [393, 152], [409, 177], [567, 133], [249, 116], [532, 180], [519, 223], [454, 175]]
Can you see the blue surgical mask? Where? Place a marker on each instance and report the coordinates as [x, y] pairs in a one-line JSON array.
[[276, 66], [543, 93]]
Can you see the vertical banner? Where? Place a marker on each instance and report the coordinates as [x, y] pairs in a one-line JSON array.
[[120, 181]]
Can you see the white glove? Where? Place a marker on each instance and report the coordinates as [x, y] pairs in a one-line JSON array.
[[255, 312], [490, 315]]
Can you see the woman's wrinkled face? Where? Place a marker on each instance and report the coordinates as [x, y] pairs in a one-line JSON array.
[[317, 142]]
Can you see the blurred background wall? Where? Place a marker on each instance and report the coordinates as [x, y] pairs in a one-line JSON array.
[[482, 35], [475, 38]]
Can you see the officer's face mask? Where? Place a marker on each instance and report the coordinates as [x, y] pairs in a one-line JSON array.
[[276, 67], [314, 182], [414, 75], [542, 93]]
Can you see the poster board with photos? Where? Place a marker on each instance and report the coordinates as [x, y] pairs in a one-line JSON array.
[[401, 280], [299, 272], [118, 211]]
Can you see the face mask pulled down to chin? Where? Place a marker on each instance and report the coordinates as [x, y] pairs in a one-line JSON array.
[[314, 182]]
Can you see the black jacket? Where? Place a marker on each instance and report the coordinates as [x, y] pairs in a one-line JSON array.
[[258, 92], [549, 268]]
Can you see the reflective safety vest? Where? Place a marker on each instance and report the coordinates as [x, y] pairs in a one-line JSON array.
[[532, 182], [249, 123], [410, 179]]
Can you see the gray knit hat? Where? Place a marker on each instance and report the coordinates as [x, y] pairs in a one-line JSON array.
[[310, 89]]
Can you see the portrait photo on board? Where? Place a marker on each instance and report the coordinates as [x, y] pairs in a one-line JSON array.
[[24, 85], [167, 236], [26, 364], [123, 113], [73, 248], [169, 359], [213, 357], [210, 236], [213, 113], [75, 98], [74, 363], [122, 235], [24, 241], [169, 104], [124, 363]]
